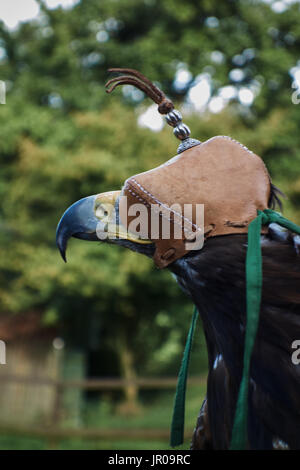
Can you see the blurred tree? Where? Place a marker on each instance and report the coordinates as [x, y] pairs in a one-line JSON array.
[[62, 139]]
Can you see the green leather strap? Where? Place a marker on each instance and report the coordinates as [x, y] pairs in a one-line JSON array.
[[177, 427]]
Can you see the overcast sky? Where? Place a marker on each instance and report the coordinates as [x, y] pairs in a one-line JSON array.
[[14, 11]]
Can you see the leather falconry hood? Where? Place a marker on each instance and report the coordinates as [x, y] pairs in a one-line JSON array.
[[223, 175]]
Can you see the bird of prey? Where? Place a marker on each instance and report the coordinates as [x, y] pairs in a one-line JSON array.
[[214, 277]]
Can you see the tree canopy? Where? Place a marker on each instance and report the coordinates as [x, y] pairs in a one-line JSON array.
[[63, 138]]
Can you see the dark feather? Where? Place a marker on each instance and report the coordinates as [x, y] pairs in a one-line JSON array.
[[274, 199], [215, 279]]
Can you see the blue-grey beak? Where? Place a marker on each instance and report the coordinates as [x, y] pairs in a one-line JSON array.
[[78, 221]]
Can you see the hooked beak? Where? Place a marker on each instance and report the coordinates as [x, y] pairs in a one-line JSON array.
[[93, 218], [78, 221]]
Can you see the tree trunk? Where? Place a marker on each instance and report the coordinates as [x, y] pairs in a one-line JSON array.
[[130, 404]]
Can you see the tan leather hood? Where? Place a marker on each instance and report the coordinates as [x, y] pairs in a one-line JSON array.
[[230, 180]]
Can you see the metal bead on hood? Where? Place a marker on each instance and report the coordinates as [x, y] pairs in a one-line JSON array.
[[182, 131], [174, 118]]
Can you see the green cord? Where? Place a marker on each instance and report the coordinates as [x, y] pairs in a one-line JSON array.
[[253, 300]]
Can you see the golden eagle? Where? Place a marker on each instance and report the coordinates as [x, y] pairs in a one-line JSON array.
[[214, 278]]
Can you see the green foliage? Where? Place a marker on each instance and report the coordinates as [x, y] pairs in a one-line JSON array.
[[62, 139], [84, 153]]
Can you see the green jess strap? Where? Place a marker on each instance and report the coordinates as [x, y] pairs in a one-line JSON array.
[[177, 427], [254, 277]]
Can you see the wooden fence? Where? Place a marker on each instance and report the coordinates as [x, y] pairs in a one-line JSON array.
[[53, 430]]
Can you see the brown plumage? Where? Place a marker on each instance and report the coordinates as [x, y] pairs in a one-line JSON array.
[[215, 279]]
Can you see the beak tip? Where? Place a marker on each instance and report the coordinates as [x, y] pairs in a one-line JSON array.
[[61, 243], [62, 253], [78, 221]]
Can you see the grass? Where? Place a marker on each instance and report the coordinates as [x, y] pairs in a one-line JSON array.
[[102, 415]]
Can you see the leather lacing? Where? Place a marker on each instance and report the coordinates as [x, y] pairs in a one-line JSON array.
[[137, 79]]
